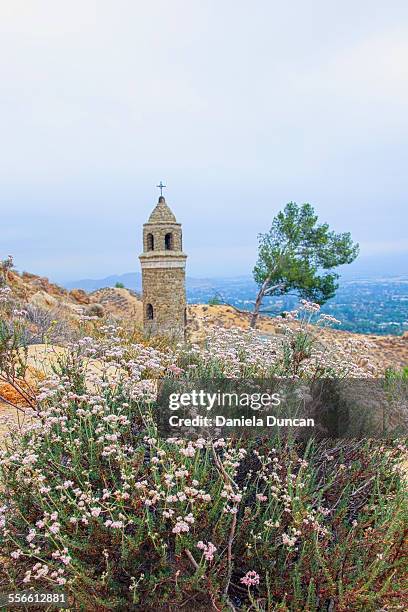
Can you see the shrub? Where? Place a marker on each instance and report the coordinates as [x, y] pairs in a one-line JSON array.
[[392, 374], [6, 265], [95, 310], [94, 500], [214, 301], [47, 326]]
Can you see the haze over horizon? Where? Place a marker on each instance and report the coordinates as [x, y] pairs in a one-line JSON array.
[[237, 110], [364, 268]]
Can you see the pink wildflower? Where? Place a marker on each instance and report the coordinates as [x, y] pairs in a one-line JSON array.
[[208, 550], [250, 579], [175, 369], [261, 497]]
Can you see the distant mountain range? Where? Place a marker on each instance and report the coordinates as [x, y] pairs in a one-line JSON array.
[[365, 268], [133, 280]]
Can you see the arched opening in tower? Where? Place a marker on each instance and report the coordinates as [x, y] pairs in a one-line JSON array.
[[150, 242], [168, 242], [149, 312]]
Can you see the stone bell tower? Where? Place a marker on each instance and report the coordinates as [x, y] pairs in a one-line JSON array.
[[163, 273]]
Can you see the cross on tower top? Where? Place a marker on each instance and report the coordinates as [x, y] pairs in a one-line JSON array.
[[161, 187]]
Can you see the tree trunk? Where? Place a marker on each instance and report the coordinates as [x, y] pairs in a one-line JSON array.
[[258, 303]]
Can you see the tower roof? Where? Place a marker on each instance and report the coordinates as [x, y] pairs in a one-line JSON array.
[[162, 213]]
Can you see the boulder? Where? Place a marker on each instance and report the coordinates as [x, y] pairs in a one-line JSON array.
[[80, 296], [42, 299]]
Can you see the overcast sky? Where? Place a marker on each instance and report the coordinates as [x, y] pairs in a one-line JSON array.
[[239, 107]]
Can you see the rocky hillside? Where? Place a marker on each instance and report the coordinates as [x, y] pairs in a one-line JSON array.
[[42, 296], [39, 292]]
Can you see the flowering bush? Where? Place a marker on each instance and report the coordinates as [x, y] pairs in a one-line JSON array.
[[297, 352], [93, 500]]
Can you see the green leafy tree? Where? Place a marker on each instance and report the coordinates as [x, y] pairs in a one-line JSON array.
[[119, 285], [298, 256]]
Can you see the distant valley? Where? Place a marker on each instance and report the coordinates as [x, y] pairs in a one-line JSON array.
[[364, 305]]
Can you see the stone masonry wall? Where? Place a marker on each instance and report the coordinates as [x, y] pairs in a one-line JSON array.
[[164, 289]]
